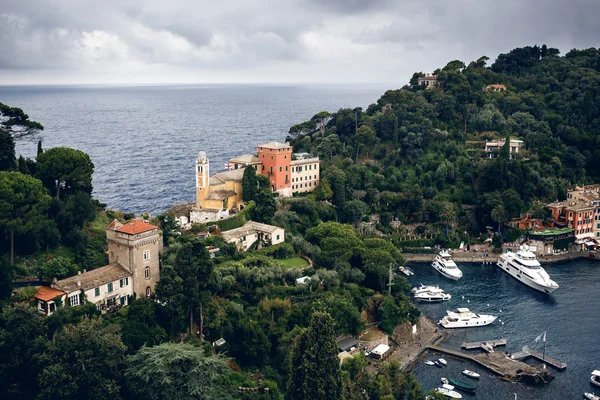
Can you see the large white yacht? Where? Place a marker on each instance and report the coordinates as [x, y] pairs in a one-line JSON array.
[[464, 318], [444, 265], [431, 297], [524, 266]]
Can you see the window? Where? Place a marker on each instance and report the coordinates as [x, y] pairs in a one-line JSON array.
[[110, 287], [315, 177], [301, 186], [124, 282], [148, 291], [277, 237], [147, 273], [146, 255], [97, 292], [243, 238], [306, 167], [123, 300], [280, 169], [74, 300], [286, 168]]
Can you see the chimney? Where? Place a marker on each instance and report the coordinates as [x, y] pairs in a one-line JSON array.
[[78, 272], [84, 271], [78, 283]]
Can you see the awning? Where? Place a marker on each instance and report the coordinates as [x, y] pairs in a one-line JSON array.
[[381, 349]]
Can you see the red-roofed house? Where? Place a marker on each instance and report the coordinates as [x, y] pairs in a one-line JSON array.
[[45, 297], [133, 268]]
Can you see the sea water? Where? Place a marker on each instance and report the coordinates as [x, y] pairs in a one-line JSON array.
[[144, 140], [570, 316]]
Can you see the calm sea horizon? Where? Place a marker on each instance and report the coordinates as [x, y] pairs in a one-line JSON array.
[[143, 140]]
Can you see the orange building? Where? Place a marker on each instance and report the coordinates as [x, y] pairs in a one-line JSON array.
[[276, 159]]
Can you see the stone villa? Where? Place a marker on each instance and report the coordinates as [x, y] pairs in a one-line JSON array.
[[133, 269], [245, 236]]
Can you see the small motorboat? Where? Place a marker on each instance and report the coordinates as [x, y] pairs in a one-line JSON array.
[[406, 271], [449, 393], [467, 387], [448, 386], [429, 362], [595, 379], [438, 364], [442, 361], [591, 396], [471, 374]]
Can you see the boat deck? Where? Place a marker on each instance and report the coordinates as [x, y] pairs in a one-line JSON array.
[[527, 352]]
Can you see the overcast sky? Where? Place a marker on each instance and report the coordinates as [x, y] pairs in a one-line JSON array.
[[189, 41]]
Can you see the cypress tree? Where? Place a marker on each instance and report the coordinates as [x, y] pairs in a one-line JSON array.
[[316, 370], [249, 184], [8, 160]]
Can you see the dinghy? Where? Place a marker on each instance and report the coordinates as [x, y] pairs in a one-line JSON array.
[[471, 374]]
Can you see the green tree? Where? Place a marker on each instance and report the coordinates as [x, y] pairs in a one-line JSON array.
[[62, 167], [265, 207], [169, 291], [315, 372], [140, 327], [499, 215], [323, 191], [249, 184], [23, 204], [365, 138], [58, 268], [448, 215], [83, 363], [176, 371], [15, 122], [22, 342], [353, 211], [8, 159]]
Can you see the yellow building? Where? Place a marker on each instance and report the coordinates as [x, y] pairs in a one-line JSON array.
[[216, 195]]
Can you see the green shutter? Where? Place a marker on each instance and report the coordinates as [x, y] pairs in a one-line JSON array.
[[97, 292]]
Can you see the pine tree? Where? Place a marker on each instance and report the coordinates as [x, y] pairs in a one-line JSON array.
[[316, 370], [249, 184]]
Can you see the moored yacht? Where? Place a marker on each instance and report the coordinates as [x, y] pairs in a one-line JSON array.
[[524, 266], [464, 318], [426, 288], [444, 265], [432, 297]]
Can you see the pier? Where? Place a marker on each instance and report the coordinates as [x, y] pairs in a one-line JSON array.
[[487, 345], [527, 352], [501, 365]]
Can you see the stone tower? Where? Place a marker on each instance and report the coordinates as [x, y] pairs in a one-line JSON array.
[[136, 245], [202, 178]]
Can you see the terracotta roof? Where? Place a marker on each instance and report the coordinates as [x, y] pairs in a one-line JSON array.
[[220, 194], [94, 278], [136, 226], [45, 293], [275, 145]]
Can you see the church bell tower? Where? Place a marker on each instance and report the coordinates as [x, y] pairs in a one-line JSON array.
[[202, 177]]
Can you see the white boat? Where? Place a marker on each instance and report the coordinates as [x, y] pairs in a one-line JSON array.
[[444, 265], [406, 271], [595, 379], [591, 396], [429, 362], [432, 297], [451, 394], [426, 288], [524, 266], [471, 374], [447, 385], [464, 318], [444, 362]]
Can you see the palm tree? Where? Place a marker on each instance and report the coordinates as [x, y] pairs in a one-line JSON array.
[[447, 215], [499, 215]]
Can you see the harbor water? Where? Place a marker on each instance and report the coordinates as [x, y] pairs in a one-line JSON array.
[[570, 316]]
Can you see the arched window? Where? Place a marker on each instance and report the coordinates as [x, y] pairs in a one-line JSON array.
[[148, 291]]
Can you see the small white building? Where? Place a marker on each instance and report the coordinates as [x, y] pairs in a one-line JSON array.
[[492, 148], [251, 232], [379, 351]]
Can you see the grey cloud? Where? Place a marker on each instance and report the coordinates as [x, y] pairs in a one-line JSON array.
[[341, 40]]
